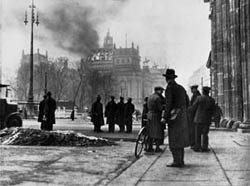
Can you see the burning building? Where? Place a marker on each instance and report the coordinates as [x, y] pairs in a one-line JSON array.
[[124, 64]]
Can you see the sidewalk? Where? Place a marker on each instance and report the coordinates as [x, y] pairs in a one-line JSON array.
[[228, 164]]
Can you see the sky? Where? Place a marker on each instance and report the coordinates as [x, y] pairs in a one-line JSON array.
[[172, 33]]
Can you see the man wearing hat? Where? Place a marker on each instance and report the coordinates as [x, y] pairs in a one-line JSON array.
[[110, 111], [119, 116], [97, 114], [203, 108], [154, 126], [196, 93], [129, 109], [175, 115]]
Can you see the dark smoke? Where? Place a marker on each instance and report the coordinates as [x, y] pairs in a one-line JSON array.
[[72, 27]]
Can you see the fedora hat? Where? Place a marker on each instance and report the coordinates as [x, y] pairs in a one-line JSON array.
[[194, 86], [170, 73]]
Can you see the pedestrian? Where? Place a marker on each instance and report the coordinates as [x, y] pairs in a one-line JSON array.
[[119, 116], [110, 111], [129, 109], [97, 114], [155, 127], [217, 115], [72, 115], [203, 107], [175, 114], [196, 93], [49, 112], [144, 113], [41, 116]]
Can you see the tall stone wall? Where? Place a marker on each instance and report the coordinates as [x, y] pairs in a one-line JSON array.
[[230, 31]]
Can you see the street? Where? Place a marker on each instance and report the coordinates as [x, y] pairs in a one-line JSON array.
[[228, 164]]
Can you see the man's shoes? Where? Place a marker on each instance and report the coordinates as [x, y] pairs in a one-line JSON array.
[[197, 150], [205, 150], [149, 150], [178, 165], [158, 150]]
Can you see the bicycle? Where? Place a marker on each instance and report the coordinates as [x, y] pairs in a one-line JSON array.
[[141, 141]]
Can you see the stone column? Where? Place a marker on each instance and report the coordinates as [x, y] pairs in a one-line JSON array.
[[245, 47], [236, 83]]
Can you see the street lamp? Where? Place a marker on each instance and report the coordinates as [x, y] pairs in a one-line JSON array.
[[36, 21]]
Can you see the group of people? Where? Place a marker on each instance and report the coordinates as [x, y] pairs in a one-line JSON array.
[[46, 113], [116, 113], [188, 121]]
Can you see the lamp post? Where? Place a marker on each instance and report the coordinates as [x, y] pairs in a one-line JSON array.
[[36, 21]]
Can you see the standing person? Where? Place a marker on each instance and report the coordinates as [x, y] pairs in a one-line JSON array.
[[49, 112], [120, 114], [144, 113], [97, 114], [155, 127], [41, 113], [196, 93], [175, 114], [217, 115], [128, 113], [203, 107], [110, 111]]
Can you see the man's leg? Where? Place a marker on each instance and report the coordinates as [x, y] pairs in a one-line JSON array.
[[197, 137], [205, 131], [178, 155]]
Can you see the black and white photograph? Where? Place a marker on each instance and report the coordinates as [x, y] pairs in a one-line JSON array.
[[125, 92]]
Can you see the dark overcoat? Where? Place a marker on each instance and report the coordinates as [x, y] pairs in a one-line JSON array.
[[176, 98], [203, 107], [119, 116], [97, 114], [110, 111], [41, 111], [144, 115], [129, 109], [49, 111], [155, 107]]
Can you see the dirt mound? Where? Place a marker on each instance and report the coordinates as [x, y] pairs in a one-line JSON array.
[[27, 136]]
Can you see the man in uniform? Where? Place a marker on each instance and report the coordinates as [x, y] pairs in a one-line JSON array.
[[196, 93], [129, 109], [49, 112], [119, 116], [176, 103], [203, 108], [110, 111], [154, 127], [97, 114]]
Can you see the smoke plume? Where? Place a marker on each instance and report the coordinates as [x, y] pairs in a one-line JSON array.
[[72, 28]]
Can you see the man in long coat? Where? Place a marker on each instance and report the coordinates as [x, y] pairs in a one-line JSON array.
[[154, 127], [175, 115], [97, 114], [128, 113], [110, 111], [49, 112], [41, 113], [196, 93], [144, 117], [119, 116], [203, 107]]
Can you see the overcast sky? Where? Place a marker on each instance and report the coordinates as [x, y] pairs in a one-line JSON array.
[[174, 33]]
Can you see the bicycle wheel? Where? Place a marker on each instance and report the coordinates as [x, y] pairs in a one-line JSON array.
[[140, 142]]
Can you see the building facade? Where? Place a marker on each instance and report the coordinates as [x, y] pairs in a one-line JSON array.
[[230, 56], [124, 63]]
